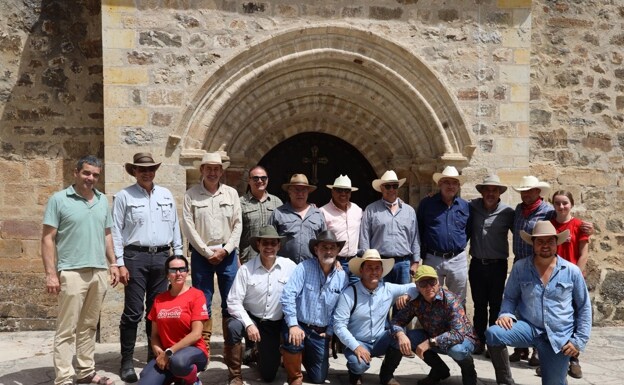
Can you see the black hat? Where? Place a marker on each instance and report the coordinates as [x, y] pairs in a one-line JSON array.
[[325, 236]]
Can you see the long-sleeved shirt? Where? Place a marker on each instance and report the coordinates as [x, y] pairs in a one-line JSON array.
[[310, 297], [369, 319], [258, 290], [143, 219], [443, 228], [345, 224], [488, 230], [255, 214], [392, 235], [443, 319], [544, 212], [561, 308], [212, 219], [298, 230]]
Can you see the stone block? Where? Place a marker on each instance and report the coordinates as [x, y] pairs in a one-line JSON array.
[[126, 75], [159, 39], [514, 112], [619, 103], [582, 177], [10, 248], [514, 74], [568, 22], [115, 96], [119, 117], [20, 229], [519, 93], [513, 3], [540, 117], [118, 38], [612, 288], [516, 38], [165, 97], [512, 146], [385, 13]]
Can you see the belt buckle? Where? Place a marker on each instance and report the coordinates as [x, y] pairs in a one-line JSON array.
[[152, 249]]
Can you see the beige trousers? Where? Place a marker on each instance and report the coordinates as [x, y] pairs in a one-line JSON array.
[[80, 301]]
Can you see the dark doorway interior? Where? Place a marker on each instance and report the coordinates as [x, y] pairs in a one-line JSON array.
[[321, 157]]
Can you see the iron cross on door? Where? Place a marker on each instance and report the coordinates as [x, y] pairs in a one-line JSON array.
[[315, 160]]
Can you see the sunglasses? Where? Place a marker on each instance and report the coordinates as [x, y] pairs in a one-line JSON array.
[[146, 169], [427, 282], [175, 270], [263, 178], [342, 190], [394, 186]]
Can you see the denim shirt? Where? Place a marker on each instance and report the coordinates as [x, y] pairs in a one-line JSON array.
[[310, 297], [561, 309]]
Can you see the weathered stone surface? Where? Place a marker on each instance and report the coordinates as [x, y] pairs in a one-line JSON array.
[[385, 13], [612, 289], [160, 39]]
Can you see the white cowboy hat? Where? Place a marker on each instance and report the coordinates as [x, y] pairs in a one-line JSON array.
[[530, 182], [492, 180], [342, 181], [370, 255], [214, 158], [449, 172], [388, 177], [298, 180], [544, 229]]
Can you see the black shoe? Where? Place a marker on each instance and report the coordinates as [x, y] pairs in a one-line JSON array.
[[127, 374], [355, 379], [480, 349]]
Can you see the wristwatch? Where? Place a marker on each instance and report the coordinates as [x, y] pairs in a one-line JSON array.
[[168, 353], [432, 342]]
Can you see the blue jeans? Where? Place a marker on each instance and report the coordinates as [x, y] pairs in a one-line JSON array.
[[345, 266], [181, 365], [315, 351], [522, 335], [457, 352], [400, 273], [202, 276], [376, 349]]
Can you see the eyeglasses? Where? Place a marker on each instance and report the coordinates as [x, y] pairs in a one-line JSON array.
[[146, 169], [269, 242], [427, 282], [175, 270], [342, 190], [394, 186], [263, 178]]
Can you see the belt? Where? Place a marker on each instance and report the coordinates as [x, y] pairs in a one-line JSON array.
[[318, 329], [485, 261], [397, 258], [149, 249], [259, 320], [444, 254]]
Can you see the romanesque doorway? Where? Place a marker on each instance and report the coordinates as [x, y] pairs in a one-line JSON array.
[[322, 157]]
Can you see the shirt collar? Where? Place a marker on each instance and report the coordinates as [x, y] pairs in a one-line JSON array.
[[72, 191]]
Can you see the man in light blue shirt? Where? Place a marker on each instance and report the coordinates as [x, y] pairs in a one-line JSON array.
[[308, 303], [361, 316], [546, 304], [145, 228]]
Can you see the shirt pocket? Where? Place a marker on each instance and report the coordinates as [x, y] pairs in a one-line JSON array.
[[563, 292], [137, 213], [461, 219], [530, 291], [226, 209], [166, 210]]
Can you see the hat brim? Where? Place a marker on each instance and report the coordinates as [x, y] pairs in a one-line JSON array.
[[501, 188], [561, 237], [542, 186], [438, 175], [253, 241], [378, 182], [310, 187], [314, 242], [330, 186], [130, 166], [355, 264]]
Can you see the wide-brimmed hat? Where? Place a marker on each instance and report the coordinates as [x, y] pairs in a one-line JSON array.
[[298, 180], [449, 172], [544, 229], [342, 181], [214, 158], [370, 255], [492, 180], [425, 271], [388, 177], [141, 159], [325, 236], [265, 232], [530, 182]]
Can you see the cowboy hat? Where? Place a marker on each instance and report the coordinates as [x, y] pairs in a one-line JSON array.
[[342, 181], [425, 271], [298, 180], [388, 177], [492, 180], [530, 182], [265, 232], [325, 236], [214, 158], [355, 264], [141, 159], [449, 172], [544, 229]]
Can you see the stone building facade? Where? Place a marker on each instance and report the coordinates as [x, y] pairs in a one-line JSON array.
[[515, 87]]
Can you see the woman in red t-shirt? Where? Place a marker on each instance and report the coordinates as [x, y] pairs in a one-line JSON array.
[[177, 321]]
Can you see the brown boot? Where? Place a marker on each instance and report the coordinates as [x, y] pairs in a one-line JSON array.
[[292, 364], [233, 355], [206, 334]]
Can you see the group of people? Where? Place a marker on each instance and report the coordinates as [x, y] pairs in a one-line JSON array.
[[292, 275]]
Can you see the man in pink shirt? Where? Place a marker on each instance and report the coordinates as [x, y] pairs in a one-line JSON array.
[[343, 217]]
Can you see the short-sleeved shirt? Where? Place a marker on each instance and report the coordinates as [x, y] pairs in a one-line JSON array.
[[569, 250], [81, 225], [175, 315]]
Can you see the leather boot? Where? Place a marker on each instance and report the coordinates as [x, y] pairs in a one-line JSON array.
[[390, 362], [500, 361], [127, 339], [292, 364], [207, 333], [439, 371], [468, 371], [233, 355]]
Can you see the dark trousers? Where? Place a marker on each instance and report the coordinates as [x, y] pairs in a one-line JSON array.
[[487, 283], [181, 365], [269, 356], [202, 276]]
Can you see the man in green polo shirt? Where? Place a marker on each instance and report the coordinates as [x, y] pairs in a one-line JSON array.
[[77, 250]]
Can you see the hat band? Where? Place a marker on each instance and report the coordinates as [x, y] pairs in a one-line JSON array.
[[144, 159]]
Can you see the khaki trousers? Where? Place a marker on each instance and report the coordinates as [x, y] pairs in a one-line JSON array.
[[80, 301]]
